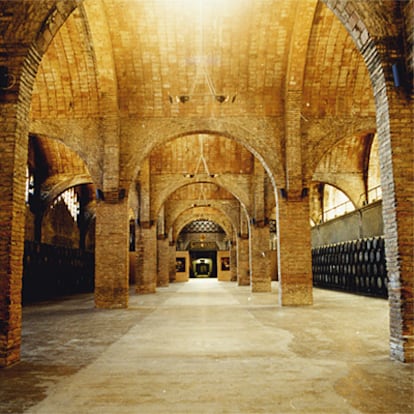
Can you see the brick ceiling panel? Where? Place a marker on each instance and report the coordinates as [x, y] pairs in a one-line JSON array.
[[345, 157], [201, 192], [66, 84], [201, 154], [56, 158], [337, 82], [200, 51]]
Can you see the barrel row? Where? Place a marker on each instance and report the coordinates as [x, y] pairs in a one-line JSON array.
[[50, 271], [356, 266]]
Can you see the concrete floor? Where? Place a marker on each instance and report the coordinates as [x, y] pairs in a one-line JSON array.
[[207, 347]]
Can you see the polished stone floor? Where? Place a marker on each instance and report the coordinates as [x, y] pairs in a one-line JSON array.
[[207, 347]]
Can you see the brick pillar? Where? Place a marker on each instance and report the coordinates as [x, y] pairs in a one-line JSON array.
[[260, 259], [395, 134], [112, 255], [13, 149], [233, 262], [163, 259], [295, 282], [243, 262], [395, 131], [147, 279], [139, 248], [172, 262]]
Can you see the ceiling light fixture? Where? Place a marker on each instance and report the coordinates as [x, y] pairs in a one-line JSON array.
[[202, 74], [200, 160]]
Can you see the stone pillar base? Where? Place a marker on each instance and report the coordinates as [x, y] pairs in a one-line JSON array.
[[9, 351], [261, 286], [107, 298], [295, 295], [244, 280], [146, 289]]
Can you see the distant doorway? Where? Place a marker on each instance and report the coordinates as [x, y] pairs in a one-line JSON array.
[[203, 264]]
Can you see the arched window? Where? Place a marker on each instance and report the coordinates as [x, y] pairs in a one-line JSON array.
[[71, 199], [335, 203], [374, 180], [30, 185]]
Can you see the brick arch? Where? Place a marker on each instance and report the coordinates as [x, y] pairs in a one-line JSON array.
[[343, 164], [341, 189], [172, 186], [202, 213], [393, 110], [242, 130], [60, 184], [333, 133], [75, 136]]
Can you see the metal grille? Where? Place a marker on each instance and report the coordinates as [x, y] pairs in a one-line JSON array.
[[202, 226]]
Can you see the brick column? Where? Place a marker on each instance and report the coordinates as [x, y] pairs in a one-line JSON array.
[[243, 262], [233, 262], [163, 259], [172, 262], [260, 259], [139, 248], [395, 134], [13, 149], [295, 282], [112, 255], [147, 279]]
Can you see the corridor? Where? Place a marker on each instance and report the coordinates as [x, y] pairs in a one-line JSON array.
[[207, 347]]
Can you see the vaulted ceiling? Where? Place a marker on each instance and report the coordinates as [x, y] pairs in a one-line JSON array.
[[237, 49], [195, 59]]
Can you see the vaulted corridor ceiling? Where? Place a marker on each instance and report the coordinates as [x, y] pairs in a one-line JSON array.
[[259, 65]]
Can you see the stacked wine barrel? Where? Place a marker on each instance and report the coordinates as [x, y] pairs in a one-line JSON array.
[[50, 271], [356, 266]]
